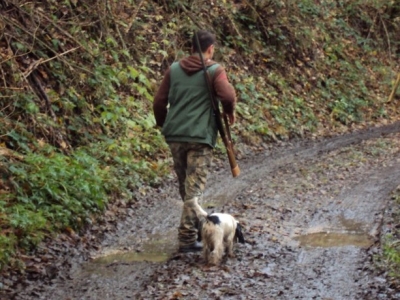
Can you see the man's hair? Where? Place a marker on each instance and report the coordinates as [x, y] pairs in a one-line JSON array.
[[206, 39]]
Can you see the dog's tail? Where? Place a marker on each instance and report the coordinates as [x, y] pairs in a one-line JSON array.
[[239, 234], [214, 219]]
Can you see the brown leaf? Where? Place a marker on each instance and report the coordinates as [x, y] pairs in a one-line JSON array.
[[177, 295]]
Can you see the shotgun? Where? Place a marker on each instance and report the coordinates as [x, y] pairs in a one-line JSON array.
[[223, 130]]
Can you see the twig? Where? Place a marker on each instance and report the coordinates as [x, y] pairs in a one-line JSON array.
[[32, 67], [388, 39], [32, 35], [264, 31], [395, 243], [43, 95], [3, 76], [116, 25], [133, 17], [66, 33], [396, 85], [10, 153], [372, 26], [32, 82], [36, 63], [69, 64], [61, 54], [191, 16], [12, 110], [14, 54]]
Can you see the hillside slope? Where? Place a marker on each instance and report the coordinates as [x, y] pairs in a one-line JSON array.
[[78, 78]]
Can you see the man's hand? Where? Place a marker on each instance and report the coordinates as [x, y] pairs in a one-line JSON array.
[[231, 118]]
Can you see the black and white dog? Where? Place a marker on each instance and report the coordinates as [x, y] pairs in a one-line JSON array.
[[219, 232]]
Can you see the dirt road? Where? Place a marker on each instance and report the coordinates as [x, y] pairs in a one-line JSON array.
[[312, 215]]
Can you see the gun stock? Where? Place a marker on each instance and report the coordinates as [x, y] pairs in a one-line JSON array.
[[229, 149], [232, 161]]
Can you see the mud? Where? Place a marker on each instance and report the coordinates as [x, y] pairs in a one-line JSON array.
[[312, 213]]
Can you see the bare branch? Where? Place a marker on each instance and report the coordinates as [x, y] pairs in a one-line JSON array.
[[36, 63], [396, 85], [133, 17], [66, 33]]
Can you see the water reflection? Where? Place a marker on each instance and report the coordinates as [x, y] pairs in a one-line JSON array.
[[158, 248], [334, 239], [127, 257]]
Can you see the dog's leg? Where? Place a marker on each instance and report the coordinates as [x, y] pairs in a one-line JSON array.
[[218, 251], [228, 244], [229, 249], [206, 250], [206, 253], [207, 233]]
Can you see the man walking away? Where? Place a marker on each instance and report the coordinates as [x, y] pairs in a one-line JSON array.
[[182, 107]]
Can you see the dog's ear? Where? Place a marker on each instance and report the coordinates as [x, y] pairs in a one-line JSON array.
[[239, 234]]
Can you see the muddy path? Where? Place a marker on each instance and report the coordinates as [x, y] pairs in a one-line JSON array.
[[312, 214]]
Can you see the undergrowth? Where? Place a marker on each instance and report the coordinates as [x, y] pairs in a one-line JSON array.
[[78, 79], [390, 258]]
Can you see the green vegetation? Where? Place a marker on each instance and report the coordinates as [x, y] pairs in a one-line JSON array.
[[77, 81], [390, 259]]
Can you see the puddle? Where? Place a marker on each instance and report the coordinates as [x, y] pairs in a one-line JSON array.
[[128, 257], [104, 265], [334, 239], [352, 233], [158, 248]]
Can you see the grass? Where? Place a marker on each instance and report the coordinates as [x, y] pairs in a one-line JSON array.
[[390, 258]]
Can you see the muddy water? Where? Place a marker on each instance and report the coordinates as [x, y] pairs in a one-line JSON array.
[[310, 213], [334, 239], [153, 251], [351, 233]]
